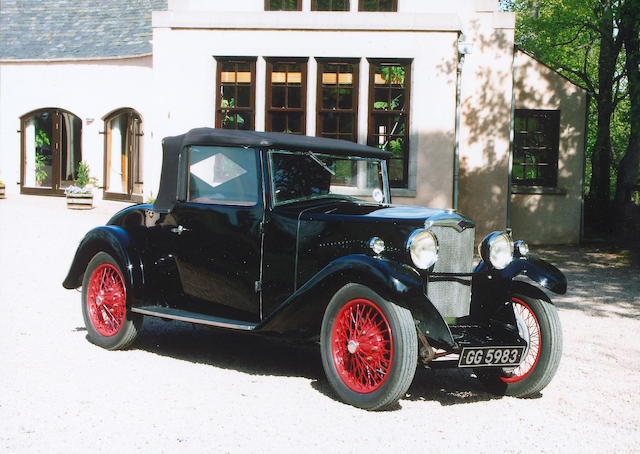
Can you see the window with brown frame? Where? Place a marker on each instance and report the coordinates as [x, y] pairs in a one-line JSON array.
[[286, 95], [389, 96], [235, 99], [282, 5], [337, 100], [329, 5], [378, 5], [536, 144], [123, 156]]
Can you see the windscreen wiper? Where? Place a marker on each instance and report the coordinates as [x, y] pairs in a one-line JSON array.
[[319, 161]]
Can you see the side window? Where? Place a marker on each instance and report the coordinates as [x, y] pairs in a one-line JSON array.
[[286, 95], [223, 176], [282, 5], [236, 93], [536, 146], [389, 97], [378, 5], [329, 5]]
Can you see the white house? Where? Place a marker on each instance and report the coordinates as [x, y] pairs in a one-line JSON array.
[[472, 123]]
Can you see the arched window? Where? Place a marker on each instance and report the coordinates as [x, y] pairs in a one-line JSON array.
[[123, 156], [51, 151]]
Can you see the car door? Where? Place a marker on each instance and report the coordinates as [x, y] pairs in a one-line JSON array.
[[215, 233]]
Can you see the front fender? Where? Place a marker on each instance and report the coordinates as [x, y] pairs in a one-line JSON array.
[[393, 281], [117, 242], [538, 270]]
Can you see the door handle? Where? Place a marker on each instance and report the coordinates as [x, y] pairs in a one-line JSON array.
[[179, 230]]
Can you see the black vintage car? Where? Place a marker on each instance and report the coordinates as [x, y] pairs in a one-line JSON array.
[[296, 236]]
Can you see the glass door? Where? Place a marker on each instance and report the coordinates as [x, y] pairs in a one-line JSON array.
[[51, 151]]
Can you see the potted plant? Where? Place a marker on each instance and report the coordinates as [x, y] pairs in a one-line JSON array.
[[2, 187], [41, 173], [80, 194]]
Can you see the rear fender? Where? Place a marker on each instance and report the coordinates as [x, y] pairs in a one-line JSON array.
[[116, 242], [394, 282]]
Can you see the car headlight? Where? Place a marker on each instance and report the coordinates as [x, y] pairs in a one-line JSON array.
[[521, 248], [423, 247], [497, 249]]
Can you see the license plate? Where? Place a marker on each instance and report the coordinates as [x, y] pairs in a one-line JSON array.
[[491, 356]]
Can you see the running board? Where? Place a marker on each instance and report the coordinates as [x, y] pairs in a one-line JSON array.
[[193, 317]]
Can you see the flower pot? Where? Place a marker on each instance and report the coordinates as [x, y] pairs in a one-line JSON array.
[[79, 201], [1, 190]]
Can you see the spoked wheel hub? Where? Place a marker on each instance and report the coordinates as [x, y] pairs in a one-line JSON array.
[[529, 330], [362, 346], [106, 300]]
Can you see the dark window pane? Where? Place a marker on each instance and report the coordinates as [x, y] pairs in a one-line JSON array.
[[244, 121], [369, 5], [228, 96], [396, 170], [346, 98], [330, 123], [278, 96], [385, 5], [381, 100], [228, 120], [283, 5], [329, 96], [295, 123], [323, 5], [346, 124], [397, 99], [279, 122], [295, 97], [244, 96]]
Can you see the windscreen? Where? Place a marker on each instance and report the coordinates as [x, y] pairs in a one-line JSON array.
[[299, 176]]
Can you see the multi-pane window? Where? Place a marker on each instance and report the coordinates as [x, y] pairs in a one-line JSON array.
[[389, 95], [286, 95], [235, 100], [282, 5], [329, 5], [378, 5], [535, 152], [337, 101]]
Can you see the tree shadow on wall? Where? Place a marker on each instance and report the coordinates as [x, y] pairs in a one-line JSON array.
[[484, 165]]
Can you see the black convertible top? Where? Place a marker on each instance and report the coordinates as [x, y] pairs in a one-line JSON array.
[[171, 147]]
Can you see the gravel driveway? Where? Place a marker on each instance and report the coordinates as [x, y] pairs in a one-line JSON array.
[[194, 389]]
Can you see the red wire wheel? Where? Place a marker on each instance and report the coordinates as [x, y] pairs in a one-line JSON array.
[[362, 346], [525, 314], [106, 300]]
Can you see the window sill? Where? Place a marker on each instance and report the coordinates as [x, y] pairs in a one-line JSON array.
[[538, 190], [403, 192]]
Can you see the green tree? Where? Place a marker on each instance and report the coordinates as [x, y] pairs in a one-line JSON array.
[[629, 31], [581, 40]]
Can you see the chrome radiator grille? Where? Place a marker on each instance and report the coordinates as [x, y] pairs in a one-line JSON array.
[[452, 295]]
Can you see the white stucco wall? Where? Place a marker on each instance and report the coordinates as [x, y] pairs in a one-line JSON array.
[[552, 217], [88, 89], [487, 85], [185, 70]]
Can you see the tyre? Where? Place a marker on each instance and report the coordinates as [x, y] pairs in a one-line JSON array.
[[539, 325], [104, 305], [369, 348]]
